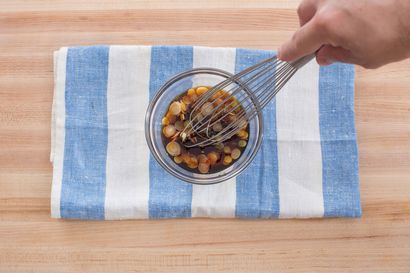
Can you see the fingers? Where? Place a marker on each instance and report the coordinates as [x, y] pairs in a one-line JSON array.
[[305, 41], [306, 11], [329, 54]]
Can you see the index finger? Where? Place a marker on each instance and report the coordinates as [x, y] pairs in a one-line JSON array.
[[306, 40]]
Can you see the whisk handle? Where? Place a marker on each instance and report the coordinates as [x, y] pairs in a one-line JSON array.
[[302, 61]]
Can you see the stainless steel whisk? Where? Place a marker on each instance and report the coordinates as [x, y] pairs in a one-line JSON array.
[[253, 88]]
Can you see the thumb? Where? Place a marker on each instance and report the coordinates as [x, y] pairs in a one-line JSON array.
[[329, 54]]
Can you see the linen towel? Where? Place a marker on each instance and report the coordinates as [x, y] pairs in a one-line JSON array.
[[102, 168]]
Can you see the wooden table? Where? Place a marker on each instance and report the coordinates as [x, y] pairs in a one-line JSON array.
[[32, 242]]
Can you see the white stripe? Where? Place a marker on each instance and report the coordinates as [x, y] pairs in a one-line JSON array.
[[299, 150], [53, 108], [127, 169], [217, 200], [58, 129]]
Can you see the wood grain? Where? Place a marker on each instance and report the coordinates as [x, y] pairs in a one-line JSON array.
[[32, 242]]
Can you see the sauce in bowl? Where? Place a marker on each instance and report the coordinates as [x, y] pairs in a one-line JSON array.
[[176, 133]]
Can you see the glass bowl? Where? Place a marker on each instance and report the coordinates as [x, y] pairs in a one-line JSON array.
[[159, 106]]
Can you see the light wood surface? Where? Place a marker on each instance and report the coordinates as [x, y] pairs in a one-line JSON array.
[[32, 242]]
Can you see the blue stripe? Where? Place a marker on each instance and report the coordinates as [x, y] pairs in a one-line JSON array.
[[338, 139], [257, 193], [85, 151], [169, 197]]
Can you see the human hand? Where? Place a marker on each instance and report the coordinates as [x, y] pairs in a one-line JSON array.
[[369, 33]]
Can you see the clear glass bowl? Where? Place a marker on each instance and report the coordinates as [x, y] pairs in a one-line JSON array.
[[157, 109]]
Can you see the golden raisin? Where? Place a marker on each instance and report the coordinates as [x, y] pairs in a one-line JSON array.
[[227, 160], [173, 148]]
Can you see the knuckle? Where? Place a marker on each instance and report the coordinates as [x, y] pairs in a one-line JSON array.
[[328, 24], [337, 14], [322, 22], [330, 16]]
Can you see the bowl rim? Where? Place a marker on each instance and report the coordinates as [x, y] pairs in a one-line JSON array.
[[156, 154]]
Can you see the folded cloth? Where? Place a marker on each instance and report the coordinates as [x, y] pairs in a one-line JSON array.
[[102, 169]]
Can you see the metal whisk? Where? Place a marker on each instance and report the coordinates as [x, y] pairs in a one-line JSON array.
[[252, 89]]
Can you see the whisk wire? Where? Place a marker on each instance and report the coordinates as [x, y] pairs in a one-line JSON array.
[[251, 90]]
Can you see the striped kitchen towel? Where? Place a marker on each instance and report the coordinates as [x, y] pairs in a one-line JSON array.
[[102, 168]]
